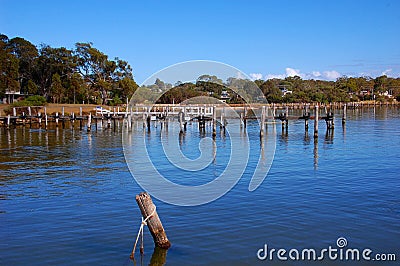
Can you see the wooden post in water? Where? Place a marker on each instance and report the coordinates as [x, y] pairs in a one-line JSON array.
[[262, 124], [181, 118], [56, 117], [344, 114], [40, 119], [23, 118], [80, 111], [214, 133], [45, 121], [147, 208], [316, 122], [244, 117], [222, 118], [89, 121], [73, 120], [8, 121]]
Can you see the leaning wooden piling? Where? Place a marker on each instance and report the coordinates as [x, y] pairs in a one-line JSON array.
[[148, 210]]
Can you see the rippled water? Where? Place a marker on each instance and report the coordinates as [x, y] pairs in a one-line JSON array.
[[67, 196]]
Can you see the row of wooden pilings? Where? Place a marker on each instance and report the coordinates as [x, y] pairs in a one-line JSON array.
[[44, 119], [283, 117]]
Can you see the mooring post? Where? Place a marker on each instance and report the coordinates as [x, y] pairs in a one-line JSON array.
[[89, 121], [144, 119], [241, 120], [316, 122], [80, 122], [56, 117], [262, 124], [73, 120], [8, 121], [244, 117], [80, 111], [344, 114], [129, 121], [181, 117], [45, 121], [108, 120], [273, 110], [214, 110], [222, 118], [39, 119], [149, 213], [148, 119]]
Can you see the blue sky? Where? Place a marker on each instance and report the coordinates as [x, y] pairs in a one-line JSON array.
[[313, 39]]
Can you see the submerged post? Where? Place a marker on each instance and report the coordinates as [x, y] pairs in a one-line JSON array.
[[148, 210], [316, 122]]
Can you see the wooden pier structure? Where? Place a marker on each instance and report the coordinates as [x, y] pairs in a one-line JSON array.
[[201, 113]]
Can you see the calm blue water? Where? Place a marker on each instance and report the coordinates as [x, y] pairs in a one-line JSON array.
[[68, 198]]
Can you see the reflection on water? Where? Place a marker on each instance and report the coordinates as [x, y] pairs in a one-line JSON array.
[[70, 193]]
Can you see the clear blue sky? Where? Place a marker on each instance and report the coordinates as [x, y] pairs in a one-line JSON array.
[[262, 38]]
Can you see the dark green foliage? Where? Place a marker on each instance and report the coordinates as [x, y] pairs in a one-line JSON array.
[[62, 75], [35, 100]]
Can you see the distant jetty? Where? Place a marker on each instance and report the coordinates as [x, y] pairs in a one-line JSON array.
[[90, 116]]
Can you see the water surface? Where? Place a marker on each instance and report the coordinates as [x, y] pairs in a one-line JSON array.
[[67, 196]]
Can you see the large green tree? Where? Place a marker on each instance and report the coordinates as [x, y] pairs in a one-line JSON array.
[[9, 67]]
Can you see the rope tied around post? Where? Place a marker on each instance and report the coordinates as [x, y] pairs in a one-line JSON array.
[[141, 232]]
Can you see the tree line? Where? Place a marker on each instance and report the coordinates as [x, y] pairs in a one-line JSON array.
[[287, 90], [85, 74], [61, 75]]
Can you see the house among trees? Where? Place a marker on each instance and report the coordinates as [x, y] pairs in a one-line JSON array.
[[224, 96], [284, 90], [11, 96]]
